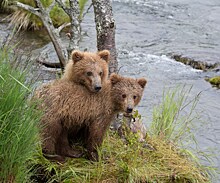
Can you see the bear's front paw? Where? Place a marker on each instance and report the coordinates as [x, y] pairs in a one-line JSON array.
[[74, 153], [55, 157], [93, 156]]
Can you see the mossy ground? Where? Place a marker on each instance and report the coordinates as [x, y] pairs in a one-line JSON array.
[[126, 161], [215, 81]]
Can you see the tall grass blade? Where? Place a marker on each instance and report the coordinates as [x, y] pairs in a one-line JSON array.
[[18, 124]]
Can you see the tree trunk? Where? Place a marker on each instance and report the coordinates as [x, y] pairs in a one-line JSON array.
[[75, 29], [105, 27]]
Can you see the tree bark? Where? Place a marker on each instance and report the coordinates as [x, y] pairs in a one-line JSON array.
[[105, 28], [75, 29]]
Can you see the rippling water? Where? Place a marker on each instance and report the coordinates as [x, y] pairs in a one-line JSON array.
[[147, 30], [186, 27]]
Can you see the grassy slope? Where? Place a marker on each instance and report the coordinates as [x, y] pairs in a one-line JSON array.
[[126, 162]]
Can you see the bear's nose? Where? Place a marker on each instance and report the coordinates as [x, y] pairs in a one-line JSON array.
[[129, 110], [97, 88]]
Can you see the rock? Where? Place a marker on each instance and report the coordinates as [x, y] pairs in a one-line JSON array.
[[215, 81], [201, 65]]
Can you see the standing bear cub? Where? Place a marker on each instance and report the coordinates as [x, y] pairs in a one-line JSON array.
[[80, 106]]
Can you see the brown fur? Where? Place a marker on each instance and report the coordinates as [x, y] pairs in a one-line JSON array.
[[69, 108], [88, 69]]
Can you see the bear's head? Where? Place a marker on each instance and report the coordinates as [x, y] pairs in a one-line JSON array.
[[126, 92], [88, 69]]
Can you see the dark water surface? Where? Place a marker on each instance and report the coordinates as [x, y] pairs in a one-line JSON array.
[[147, 33]]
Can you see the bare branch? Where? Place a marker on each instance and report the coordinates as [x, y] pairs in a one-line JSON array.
[[60, 28], [84, 14], [62, 5], [48, 64], [51, 6], [44, 15], [28, 8], [39, 4]]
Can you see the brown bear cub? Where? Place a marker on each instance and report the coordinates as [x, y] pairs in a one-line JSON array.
[[88, 69], [84, 101]]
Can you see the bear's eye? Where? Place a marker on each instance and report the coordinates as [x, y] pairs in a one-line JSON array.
[[100, 73], [124, 96], [134, 97], [89, 73]]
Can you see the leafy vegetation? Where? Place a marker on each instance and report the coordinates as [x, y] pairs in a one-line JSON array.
[[167, 119], [18, 124], [25, 20]]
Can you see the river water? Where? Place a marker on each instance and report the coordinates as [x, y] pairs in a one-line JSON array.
[[147, 33]]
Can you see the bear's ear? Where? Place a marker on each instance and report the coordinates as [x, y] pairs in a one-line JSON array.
[[142, 82], [77, 56], [115, 78], [105, 55]]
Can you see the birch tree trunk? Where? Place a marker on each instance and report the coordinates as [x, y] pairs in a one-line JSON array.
[[75, 29], [105, 28]]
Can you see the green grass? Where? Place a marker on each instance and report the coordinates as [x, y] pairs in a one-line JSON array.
[[168, 118], [18, 124], [126, 162]]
